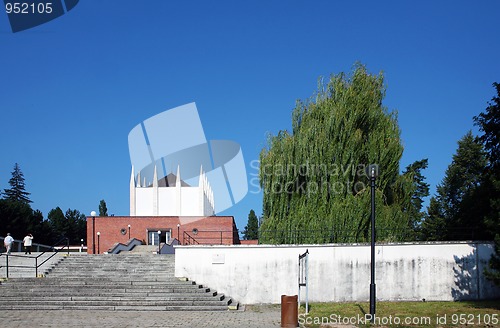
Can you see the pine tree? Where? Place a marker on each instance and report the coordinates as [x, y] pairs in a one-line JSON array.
[[252, 228], [434, 225], [421, 188], [17, 191], [460, 204], [489, 123]]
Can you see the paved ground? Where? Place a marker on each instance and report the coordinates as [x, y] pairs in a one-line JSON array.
[[259, 316]]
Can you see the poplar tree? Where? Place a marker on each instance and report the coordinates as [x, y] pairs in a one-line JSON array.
[[313, 177], [103, 209]]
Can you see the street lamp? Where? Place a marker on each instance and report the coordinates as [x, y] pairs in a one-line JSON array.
[[98, 242], [129, 231], [372, 173], [178, 233], [159, 232], [93, 214]]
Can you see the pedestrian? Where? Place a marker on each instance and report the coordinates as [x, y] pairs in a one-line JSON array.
[[28, 241], [8, 241]]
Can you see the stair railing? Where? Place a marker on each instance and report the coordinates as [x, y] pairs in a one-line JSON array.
[[188, 239], [52, 248]]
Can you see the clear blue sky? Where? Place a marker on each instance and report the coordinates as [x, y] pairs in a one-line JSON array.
[[72, 89]]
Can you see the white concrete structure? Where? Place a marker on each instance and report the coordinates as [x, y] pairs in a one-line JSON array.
[[170, 196], [254, 274]]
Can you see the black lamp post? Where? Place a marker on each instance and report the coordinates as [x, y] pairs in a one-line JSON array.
[[93, 214], [98, 242], [129, 231], [159, 239], [372, 173], [178, 232]]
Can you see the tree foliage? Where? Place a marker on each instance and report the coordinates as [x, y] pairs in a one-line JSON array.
[[493, 272], [420, 189], [17, 191], [314, 177], [71, 224], [252, 228], [19, 219], [489, 123], [460, 204], [103, 209]]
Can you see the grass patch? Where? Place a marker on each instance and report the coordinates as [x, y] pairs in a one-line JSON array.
[[404, 314]]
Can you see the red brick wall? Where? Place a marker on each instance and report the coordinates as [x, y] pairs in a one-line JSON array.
[[211, 230]]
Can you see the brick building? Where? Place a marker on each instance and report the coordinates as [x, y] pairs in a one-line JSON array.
[[161, 210], [108, 230]]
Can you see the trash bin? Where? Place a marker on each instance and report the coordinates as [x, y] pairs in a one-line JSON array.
[[289, 311]]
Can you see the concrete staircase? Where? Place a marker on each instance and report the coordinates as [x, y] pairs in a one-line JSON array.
[[111, 282]]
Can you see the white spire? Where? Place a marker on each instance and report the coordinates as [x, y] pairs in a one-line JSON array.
[[155, 178], [178, 177], [132, 192], [155, 192]]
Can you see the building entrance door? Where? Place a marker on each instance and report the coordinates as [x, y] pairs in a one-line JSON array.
[[155, 239]]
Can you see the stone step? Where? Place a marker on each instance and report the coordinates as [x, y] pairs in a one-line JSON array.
[[120, 297], [55, 283], [110, 282], [43, 307], [106, 302], [124, 294]]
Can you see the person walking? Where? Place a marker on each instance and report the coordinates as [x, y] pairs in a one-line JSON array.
[[28, 241], [8, 241]]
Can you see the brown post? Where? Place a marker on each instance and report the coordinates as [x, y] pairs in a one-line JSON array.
[[289, 311]]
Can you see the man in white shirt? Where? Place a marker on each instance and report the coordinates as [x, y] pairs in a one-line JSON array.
[[27, 243], [8, 241]]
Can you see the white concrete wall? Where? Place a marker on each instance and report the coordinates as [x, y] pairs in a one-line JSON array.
[[170, 201], [190, 201], [144, 202], [262, 273]]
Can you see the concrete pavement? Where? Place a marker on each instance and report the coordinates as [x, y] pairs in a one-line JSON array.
[[254, 316]]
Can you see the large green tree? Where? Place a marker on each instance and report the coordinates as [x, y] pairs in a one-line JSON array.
[[17, 191], [313, 178], [252, 228], [459, 206], [489, 124]]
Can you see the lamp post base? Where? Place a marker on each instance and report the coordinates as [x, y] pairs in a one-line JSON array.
[[372, 302]]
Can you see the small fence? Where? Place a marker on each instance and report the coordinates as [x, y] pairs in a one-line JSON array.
[[37, 260], [339, 236], [210, 237]]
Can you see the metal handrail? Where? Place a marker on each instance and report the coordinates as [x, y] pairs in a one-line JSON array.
[[36, 266], [209, 237], [189, 239]]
